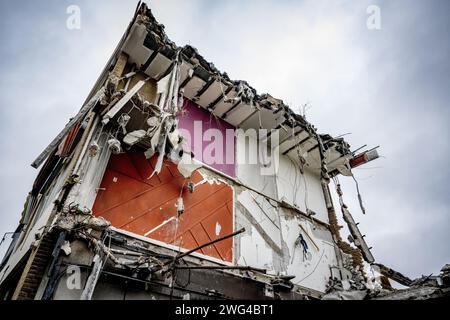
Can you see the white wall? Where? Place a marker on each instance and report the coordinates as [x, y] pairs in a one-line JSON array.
[[291, 188], [251, 174], [271, 231], [310, 271]]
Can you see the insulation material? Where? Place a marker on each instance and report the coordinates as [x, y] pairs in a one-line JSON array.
[[266, 118], [148, 207], [193, 123], [134, 137], [358, 238], [148, 91], [120, 65]]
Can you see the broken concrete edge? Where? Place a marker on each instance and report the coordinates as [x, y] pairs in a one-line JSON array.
[[165, 46], [394, 275], [415, 292]]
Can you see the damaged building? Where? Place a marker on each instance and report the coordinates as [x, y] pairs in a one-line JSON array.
[[175, 182]]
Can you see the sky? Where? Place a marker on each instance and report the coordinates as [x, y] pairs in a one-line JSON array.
[[386, 86]]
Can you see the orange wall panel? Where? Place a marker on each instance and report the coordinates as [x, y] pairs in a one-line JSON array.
[[131, 201]]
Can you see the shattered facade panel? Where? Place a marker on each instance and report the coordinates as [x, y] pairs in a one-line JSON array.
[[175, 182]]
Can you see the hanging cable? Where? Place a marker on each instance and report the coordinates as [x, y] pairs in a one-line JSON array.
[[359, 195], [301, 241]]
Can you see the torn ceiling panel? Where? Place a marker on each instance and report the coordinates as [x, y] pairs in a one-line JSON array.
[[186, 70], [212, 92], [134, 45], [194, 85], [158, 66], [264, 118], [219, 107], [298, 141], [238, 114]]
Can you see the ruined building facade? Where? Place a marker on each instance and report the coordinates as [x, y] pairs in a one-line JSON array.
[[175, 182]]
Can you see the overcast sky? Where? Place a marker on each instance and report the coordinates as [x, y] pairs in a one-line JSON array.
[[387, 87]]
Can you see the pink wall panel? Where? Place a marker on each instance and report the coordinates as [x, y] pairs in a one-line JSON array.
[[203, 129]]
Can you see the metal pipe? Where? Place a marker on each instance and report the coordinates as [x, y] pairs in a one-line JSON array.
[[248, 268]]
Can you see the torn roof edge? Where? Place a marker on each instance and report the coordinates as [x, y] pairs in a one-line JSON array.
[[158, 40], [143, 15]]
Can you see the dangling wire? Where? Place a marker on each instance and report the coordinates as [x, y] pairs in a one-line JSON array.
[[301, 241], [359, 195], [225, 98]]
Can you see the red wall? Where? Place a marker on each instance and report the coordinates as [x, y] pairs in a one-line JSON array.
[[133, 202]]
